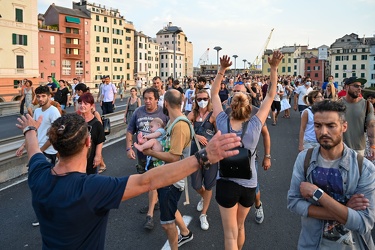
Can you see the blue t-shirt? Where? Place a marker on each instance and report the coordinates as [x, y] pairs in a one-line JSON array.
[[250, 141], [72, 209]]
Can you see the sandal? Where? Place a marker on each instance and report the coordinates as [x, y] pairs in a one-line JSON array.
[[274, 124]]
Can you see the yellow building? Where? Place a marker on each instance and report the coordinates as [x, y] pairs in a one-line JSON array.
[[112, 43], [18, 46]]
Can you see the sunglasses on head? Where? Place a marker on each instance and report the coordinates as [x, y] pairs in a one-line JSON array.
[[204, 99]]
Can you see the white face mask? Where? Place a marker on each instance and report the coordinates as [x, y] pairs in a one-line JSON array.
[[203, 104], [308, 83]]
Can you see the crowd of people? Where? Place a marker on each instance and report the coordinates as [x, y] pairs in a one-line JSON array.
[[209, 132]]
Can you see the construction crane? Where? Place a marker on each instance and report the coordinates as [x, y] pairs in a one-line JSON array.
[[203, 60], [259, 56]]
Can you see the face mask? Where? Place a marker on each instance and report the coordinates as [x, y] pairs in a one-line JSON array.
[[308, 83], [203, 104]]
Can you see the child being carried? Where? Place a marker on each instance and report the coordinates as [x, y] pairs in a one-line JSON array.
[[152, 140]]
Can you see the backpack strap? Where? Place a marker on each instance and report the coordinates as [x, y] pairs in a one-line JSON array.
[[367, 109], [307, 160], [180, 118]]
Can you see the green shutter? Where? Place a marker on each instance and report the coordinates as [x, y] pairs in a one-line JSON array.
[[19, 15], [25, 40], [14, 38], [70, 19]]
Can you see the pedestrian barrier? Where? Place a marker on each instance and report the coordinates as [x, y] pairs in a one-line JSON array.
[[12, 166], [9, 108]]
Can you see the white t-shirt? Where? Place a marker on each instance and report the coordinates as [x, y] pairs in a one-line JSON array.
[[279, 89], [302, 91], [139, 83], [49, 116]]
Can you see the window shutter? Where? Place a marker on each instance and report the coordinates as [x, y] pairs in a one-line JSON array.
[[25, 40], [14, 38]]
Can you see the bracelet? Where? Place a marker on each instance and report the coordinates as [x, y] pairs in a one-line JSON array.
[[128, 149], [219, 73], [28, 128], [202, 159], [268, 156]]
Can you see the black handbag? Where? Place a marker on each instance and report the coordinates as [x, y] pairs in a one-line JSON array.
[[106, 125], [237, 166], [201, 130]]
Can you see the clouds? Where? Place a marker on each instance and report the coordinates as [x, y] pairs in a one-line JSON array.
[[242, 26]]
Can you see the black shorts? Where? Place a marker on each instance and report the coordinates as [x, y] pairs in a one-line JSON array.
[[229, 193], [276, 106]]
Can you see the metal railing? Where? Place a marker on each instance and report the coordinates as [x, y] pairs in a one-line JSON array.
[[12, 166]]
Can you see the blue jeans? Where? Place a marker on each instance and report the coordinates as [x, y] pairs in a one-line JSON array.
[[168, 200]]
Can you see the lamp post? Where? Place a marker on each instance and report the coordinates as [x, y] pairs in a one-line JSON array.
[[174, 30], [244, 64], [235, 67], [217, 48]]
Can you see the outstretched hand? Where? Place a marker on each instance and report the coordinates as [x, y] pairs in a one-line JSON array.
[[276, 58], [27, 120], [219, 147], [225, 62]]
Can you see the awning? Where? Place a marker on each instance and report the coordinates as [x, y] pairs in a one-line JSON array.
[[71, 19]]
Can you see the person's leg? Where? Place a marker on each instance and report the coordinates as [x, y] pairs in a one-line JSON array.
[[146, 145], [241, 216], [172, 234], [22, 106], [229, 221]]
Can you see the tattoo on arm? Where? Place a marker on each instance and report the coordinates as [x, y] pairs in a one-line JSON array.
[[269, 87]]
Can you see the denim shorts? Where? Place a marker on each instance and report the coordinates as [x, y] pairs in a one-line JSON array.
[[229, 193], [206, 178], [168, 200]]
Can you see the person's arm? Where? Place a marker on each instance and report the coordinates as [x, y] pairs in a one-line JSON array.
[[302, 129], [271, 92], [98, 154], [267, 147], [129, 145], [295, 101], [46, 145], [215, 88], [31, 139], [156, 134], [218, 148], [139, 102], [370, 125]]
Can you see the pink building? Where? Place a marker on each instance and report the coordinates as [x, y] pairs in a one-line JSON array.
[[314, 68]]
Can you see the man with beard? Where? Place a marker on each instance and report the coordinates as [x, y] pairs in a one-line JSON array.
[[333, 191], [360, 117]]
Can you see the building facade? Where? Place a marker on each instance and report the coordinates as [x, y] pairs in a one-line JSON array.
[[18, 46]]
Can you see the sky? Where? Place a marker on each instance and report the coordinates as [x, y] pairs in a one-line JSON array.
[[242, 27]]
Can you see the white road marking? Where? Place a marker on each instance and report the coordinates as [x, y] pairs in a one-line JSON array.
[[187, 219]]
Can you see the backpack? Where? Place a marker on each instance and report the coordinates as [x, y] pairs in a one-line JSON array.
[[166, 139], [308, 158]]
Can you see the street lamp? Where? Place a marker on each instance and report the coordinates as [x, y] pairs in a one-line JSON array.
[[244, 64], [217, 48], [174, 30], [235, 67]]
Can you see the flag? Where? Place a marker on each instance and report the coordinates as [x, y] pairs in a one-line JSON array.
[[55, 81]]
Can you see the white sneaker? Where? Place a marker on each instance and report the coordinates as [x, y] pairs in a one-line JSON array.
[[200, 205], [259, 215], [204, 222]]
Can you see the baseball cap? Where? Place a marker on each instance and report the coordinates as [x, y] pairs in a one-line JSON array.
[[354, 79]]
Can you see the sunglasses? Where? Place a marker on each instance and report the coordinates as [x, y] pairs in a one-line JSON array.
[[356, 86], [200, 99]]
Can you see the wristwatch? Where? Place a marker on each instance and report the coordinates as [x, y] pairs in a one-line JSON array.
[[28, 128], [317, 194], [268, 156], [201, 156]]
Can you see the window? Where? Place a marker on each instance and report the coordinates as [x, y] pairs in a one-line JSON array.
[[308, 68], [97, 39], [97, 18], [289, 60], [354, 66], [363, 75], [52, 40], [75, 31], [364, 57], [98, 49], [97, 59], [105, 40], [162, 65], [128, 76], [338, 58], [106, 68], [316, 61], [105, 19], [127, 65], [115, 68], [68, 30], [52, 50], [336, 75], [105, 50], [79, 68], [363, 66], [115, 51], [120, 51], [127, 55], [289, 69], [128, 38], [19, 39], [308, 61], [283, 69], [20, 63], [19, 15], [53, 63], [354, 57], [66, 67], [316, 74], [344, 75], [336, 67], [140, 56]]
